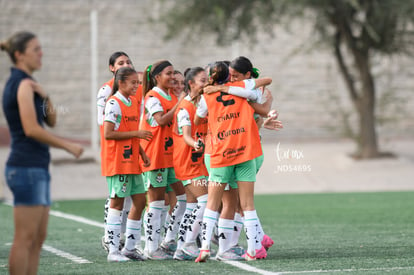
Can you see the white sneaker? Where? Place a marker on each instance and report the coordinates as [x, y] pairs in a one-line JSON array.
[[140, 251], [158, 255], [117, 257], [169, 247], [181, 256], [228, 255], [237, 249], [191, 249], [133, 254]]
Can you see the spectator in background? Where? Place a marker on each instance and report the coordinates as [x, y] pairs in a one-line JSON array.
[[27, 107]]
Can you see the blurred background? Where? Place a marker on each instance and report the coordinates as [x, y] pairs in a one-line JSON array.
[[294, 43]]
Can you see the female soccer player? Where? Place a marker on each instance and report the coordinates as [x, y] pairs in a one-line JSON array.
[[160, 106], [234, 139], [189, 165], [121, 164], [116, 60]]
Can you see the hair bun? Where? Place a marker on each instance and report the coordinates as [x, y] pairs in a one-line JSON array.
[[3, 46]]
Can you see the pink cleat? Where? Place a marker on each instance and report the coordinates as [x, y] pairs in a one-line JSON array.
[[248, 258], [267, 242], [261, 253], [203, 256]]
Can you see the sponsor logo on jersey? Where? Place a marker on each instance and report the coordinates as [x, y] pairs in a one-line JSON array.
[[226, 133]]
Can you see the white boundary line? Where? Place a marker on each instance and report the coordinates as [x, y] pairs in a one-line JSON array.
[[76, 218], [66, 255], [250, 268], [388, 269], [63, 254], [240, 265]]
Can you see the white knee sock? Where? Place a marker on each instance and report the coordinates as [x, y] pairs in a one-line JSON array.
[[153, 221], [194, 226], [260, 234], [165, 219], [182, 232], [250, 227], [113, 229], [145, 225], [132, 234], [176, 217], [125, 212], [209, 221], [238, 225], [106, 209], [225, 232]]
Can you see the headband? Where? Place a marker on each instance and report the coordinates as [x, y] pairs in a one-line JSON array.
[[160, 67]]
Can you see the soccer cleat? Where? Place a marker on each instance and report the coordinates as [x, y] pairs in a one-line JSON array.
[[158, 255], [203, 257], [191, 249], [135, 254], [267, 242], [228, 256], [117, 257], [140, 251], [104, 244], [169, 247], [181, 256], [121, 244], [237, 249], [261, 253], [248, 257]]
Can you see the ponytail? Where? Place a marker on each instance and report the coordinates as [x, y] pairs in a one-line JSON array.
[[218, 73], [17, 43], [151, 71]]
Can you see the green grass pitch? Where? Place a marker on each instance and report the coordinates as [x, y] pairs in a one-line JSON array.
[[341, 233]]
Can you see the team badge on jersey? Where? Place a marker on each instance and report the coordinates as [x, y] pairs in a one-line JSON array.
[[159, 178]]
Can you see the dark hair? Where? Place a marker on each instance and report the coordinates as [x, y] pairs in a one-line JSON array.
[[121, 75], [243, 66], [17, 43], [189, 75], [151, 71], [114, 57], [218, 73]]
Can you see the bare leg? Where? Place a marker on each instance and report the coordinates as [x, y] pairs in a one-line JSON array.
[[30, 232]]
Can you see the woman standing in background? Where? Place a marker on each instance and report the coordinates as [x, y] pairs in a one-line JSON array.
[[27, 107]]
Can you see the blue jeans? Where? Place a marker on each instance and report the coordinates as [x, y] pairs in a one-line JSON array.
[[30, 185]]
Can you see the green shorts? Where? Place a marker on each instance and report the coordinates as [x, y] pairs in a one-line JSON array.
[[259, 161], [198, 181], [160, 177], [125, 185], [245, 171], [233, 184]]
